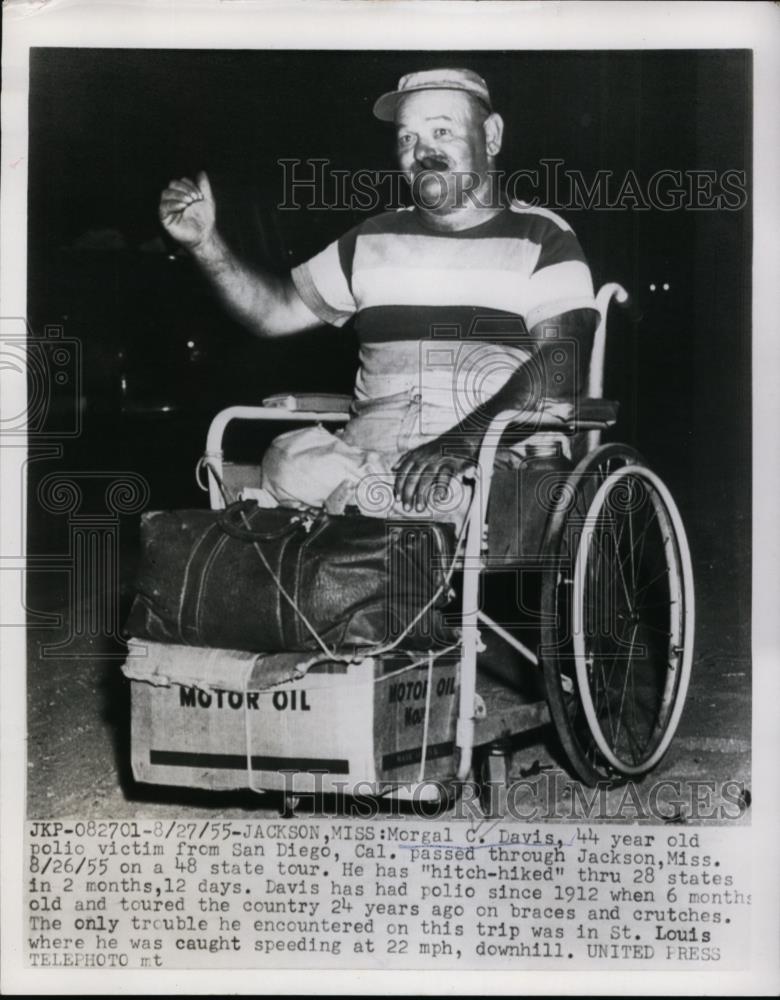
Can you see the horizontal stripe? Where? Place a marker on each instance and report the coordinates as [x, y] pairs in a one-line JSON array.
[[435, 751], [433, 286], [434, 323], [517, 222], [444, 658], [422, 251], [238, 762], [495, 290]]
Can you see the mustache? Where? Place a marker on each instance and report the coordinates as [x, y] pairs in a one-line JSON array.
[[431, 163]]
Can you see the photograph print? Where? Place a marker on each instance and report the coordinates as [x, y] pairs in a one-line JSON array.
[[389, 433]]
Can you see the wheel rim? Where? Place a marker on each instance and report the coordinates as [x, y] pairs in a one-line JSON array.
[[632, 619], [570, 505]]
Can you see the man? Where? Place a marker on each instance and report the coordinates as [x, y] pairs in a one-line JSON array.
[[462, 306]]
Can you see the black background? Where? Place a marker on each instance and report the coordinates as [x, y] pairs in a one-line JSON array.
[[109, 128]]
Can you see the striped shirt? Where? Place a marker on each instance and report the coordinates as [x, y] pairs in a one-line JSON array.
[[416, 293]]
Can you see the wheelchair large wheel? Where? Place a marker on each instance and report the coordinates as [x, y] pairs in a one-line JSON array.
[[617, 616]]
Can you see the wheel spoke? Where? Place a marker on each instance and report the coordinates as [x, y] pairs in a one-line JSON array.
[[617, 657], [655, 628], [645, 531], [632, 706], [620, 532], [655, 604], [625, 681], [640, 539], [646, 586], [623, 578], [606, 703], [594, 572], [639, 711], [645, 712], [638, 748], [631, 546]]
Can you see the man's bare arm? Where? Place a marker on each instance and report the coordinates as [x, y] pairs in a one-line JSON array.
[[266, 303], [560, 356]]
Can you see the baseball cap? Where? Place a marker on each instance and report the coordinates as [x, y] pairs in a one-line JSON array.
[[432, 79]]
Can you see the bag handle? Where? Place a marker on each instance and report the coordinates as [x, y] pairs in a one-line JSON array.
[[230, 522]]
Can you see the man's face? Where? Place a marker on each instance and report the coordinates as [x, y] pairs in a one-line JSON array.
[[441, 147]]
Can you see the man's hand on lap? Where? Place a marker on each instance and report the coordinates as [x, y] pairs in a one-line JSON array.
[[425, 472]]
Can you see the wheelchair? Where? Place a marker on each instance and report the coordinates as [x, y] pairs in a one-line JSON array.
[[615, 623]]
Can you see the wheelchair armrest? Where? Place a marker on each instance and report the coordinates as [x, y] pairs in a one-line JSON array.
[[601, 412], [586, 414], [310, 402], [277, 409]]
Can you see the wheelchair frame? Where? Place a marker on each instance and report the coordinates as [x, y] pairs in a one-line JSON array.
[[577, 698]]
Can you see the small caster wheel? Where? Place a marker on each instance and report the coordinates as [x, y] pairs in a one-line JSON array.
[[290, 803], [493, 776], [448, 796]]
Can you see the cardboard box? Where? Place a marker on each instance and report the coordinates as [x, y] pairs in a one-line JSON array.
[[225, 720]]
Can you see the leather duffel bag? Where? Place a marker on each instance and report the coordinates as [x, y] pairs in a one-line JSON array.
[[214, 578]]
